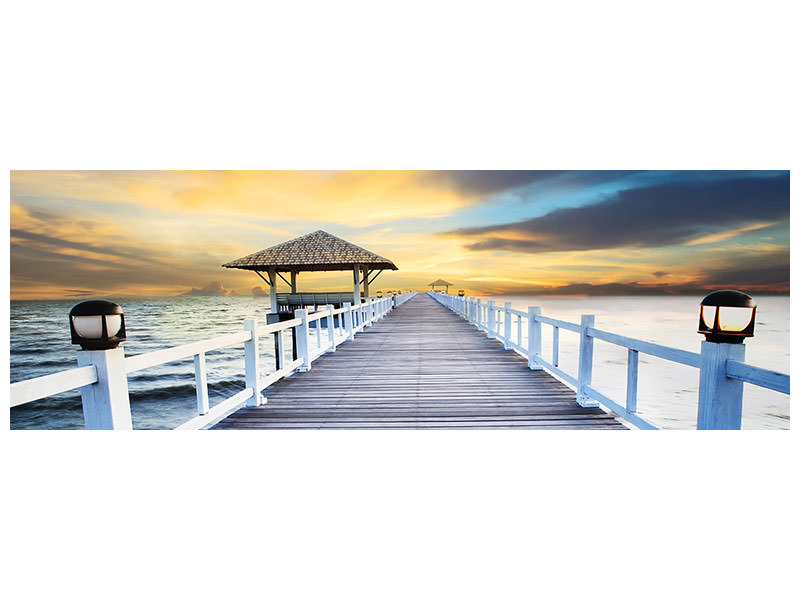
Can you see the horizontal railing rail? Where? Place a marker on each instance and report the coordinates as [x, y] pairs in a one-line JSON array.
[[559, 324], [105, 398], [497, 322], [772, 380], [30, 390], [684, 357], [138, 362]]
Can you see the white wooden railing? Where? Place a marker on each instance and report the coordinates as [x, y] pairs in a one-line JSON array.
[[102, 378], [722, 369]]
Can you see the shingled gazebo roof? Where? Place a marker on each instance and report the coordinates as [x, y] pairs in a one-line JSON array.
[[440, 282], [317, 251]]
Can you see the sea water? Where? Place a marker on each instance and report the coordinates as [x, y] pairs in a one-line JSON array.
[[163, 397], [667, 391]]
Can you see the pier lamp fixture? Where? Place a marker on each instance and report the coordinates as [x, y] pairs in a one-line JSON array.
[[727, 316], [97, 325]]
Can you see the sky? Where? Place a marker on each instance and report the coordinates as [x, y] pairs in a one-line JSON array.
[[107, 233]]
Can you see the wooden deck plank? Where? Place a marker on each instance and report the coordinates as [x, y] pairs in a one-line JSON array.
[[421, 367]]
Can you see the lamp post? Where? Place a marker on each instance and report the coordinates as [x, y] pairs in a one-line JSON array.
[[727, 317], [98, 326]]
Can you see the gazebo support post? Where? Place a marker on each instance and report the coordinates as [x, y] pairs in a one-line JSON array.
[[366, 283], [273, 292], [294, 329], [272, 316], [356, 285]]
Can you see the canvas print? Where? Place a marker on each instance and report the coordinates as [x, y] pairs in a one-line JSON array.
[[610, 300]]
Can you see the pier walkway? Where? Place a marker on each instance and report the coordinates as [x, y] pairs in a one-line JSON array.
[[420, 367]]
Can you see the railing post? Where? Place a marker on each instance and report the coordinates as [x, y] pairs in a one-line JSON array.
[[251, 363], [348, 320], [271, 319], [555, 346], [491, 321], [507, 325], [280, 349], [585, 362], [534, 338], [368, 312], [478, 314], [720, 397], [331, 329], [201, 383], [633, 381], [303, 350], [106, 404]]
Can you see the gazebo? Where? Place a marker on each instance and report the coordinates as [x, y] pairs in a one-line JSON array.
[[440, 283], [317, 251]]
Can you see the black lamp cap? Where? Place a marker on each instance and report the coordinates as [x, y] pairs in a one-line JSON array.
[[95, 307], [733, 298], [98, 308]]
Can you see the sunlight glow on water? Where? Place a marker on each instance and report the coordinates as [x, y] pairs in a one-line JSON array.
[[667, 391]]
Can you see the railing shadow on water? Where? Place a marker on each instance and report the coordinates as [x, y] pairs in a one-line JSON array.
[[722, 368], [102, 375]]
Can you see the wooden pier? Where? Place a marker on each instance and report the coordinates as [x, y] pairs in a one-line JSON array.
[[420, 367], [410, 361]]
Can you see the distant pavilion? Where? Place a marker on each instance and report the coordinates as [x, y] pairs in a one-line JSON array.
[[440, 283], [317, 251]]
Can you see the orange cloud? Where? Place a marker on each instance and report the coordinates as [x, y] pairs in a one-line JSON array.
[[147, 232], [359, 197]]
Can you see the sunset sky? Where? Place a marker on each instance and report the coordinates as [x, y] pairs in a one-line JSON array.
[[105, 233]]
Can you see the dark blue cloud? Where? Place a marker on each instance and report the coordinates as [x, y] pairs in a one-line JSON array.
[[480, 183], [658, 215]]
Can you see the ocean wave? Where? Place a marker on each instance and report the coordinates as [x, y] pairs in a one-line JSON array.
[[184, 391]]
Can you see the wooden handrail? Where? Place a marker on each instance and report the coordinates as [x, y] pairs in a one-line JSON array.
[[29, 390], [85, 377], [485, 317]]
